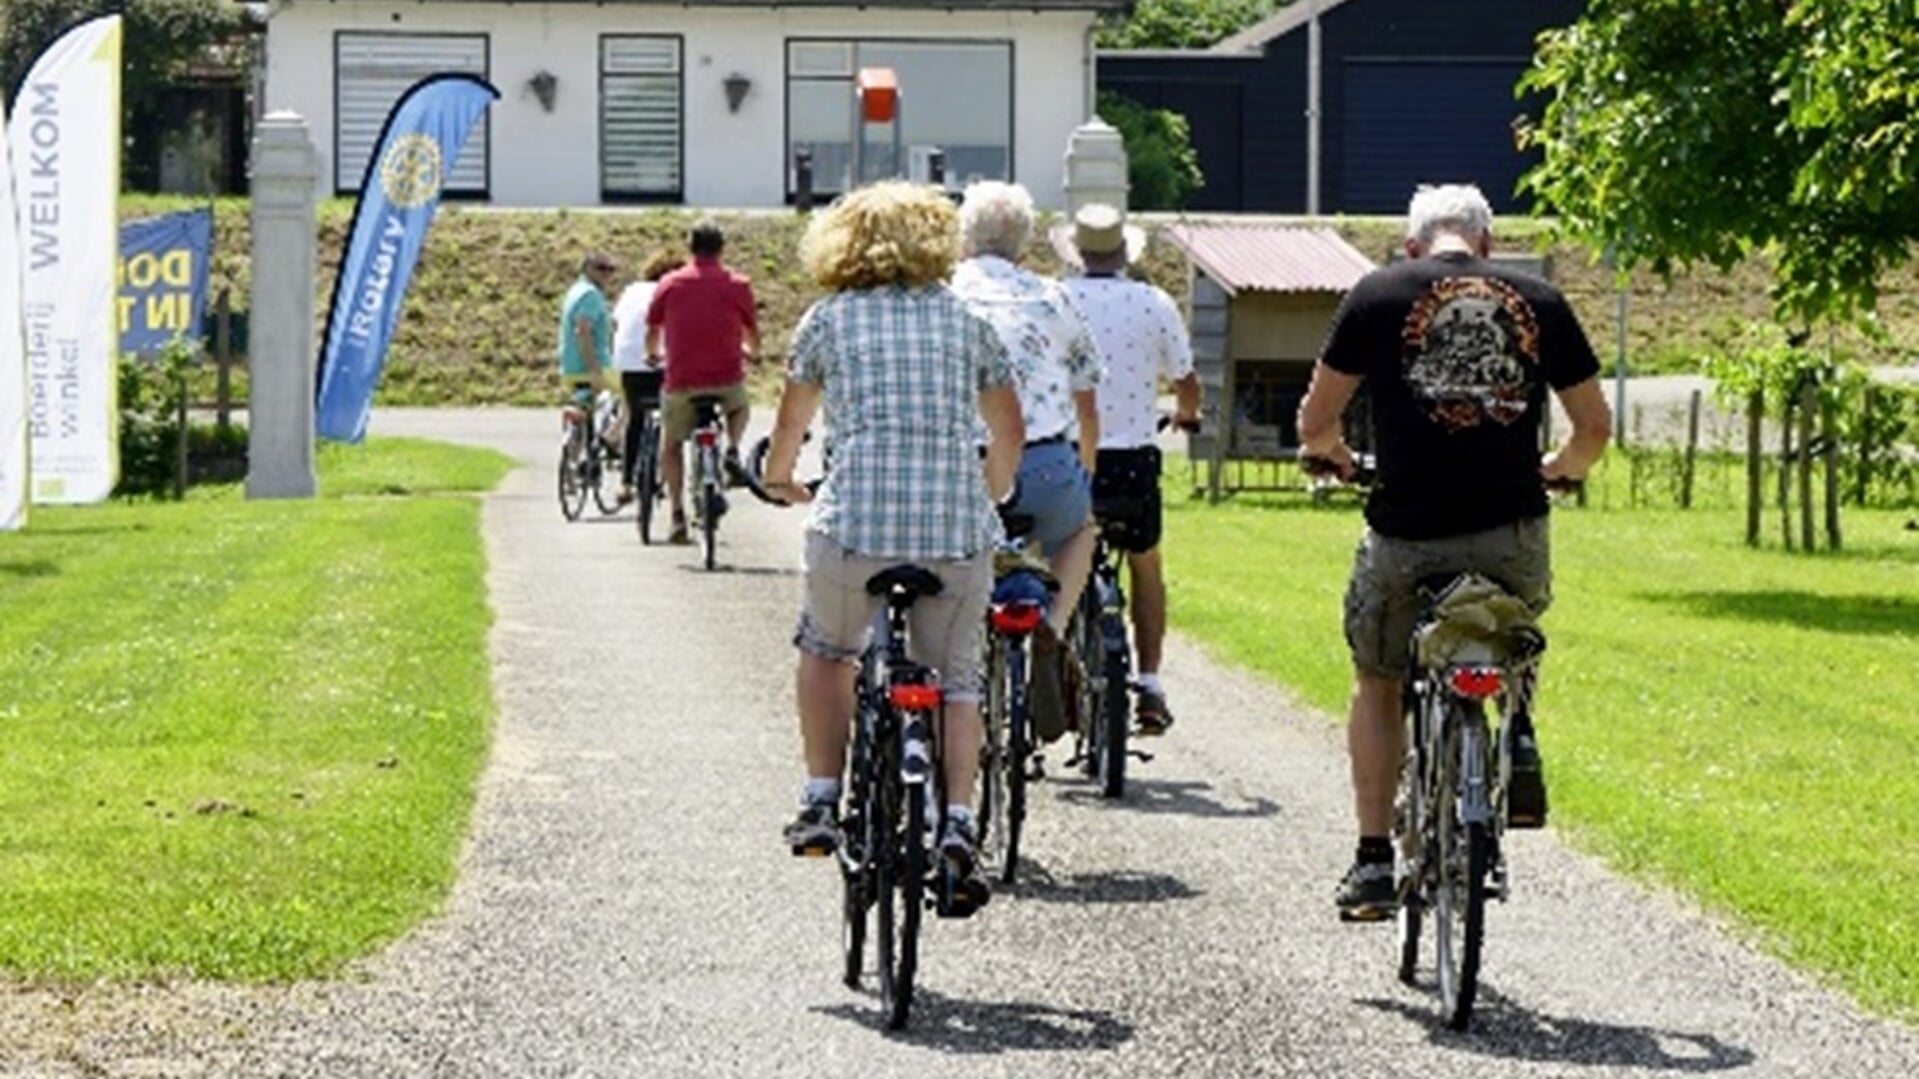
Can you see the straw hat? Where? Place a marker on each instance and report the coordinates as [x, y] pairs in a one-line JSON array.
[[1099, 233]]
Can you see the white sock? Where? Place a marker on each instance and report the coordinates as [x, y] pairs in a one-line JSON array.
[[820, 790], [959, 814], [1149, 681]]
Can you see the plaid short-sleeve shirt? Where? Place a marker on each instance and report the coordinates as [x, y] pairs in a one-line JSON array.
[[901, 370], [1052, 352]]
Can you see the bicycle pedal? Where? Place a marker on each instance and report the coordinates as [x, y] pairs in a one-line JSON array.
[[1140, 755], [816, 850]]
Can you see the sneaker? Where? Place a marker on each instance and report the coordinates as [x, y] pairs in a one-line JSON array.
[[967, 891], [735, 472], [815, 833], [626, 493], [1526, 797], [679, 534], [1046, 697], [1151, 713], [1366, 894]]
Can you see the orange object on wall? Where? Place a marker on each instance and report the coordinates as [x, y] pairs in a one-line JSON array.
[[879, 91]]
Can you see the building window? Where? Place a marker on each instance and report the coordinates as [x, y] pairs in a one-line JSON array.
[[640, 109], [955, 96], [371, 71]]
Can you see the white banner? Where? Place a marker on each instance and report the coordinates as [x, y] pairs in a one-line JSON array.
[[64, 135], [13, 359]]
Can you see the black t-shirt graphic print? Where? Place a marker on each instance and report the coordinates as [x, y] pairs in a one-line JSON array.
[[1457, 354]]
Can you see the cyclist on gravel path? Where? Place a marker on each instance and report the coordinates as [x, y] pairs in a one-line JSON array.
[[1457, 353], [1143, 338], [905, 373], [1056, 367]]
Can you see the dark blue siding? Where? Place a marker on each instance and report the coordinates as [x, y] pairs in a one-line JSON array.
[[1463, 53]]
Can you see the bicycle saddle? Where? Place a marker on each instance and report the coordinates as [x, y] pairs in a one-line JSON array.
[[916, 582], [1017, 525]]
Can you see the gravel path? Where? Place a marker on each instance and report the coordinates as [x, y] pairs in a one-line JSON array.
[[626, 910]]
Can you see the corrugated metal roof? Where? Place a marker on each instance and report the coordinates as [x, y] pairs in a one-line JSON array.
[[1271, 258]]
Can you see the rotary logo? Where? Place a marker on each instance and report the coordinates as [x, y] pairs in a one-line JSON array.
[[410, 172]]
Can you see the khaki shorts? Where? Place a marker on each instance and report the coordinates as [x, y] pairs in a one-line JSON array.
[[1382, 599], [947, 629], [677, 412]]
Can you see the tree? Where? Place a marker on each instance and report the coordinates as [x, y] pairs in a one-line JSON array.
[[1162, 168], [161, 39], [1182, 24], [1680, 132]]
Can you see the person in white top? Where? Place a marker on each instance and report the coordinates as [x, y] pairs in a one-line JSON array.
[[1143, 339], [639, 380], [1056, 368]]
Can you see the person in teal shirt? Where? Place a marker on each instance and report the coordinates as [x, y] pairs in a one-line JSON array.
[[586, 325]]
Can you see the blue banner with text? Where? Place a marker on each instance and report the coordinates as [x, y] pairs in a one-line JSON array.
[[163, 279], [401, 191]]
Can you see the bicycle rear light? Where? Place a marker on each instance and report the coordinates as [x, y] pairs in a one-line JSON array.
[[1476, 683], [706, 437], [914, 698], [1017, 618]]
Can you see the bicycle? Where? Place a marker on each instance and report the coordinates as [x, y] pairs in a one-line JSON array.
[[646, 472], [895, 792], [1474, 643], [1022, 591], [587, 461], [1098, 635], [706, 476]]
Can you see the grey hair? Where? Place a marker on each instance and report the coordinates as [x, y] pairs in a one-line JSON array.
[[1456, 208], [996, 219]]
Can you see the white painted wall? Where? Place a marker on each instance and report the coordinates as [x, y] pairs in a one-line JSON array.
[[731, 159]]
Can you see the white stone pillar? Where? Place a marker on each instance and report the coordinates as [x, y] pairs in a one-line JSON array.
[[1095, 167], [281, 353]]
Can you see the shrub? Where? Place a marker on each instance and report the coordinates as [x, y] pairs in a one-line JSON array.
[[152, 394], [1161, 164]]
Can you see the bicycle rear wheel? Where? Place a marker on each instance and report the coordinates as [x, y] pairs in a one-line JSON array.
[[1412, 839], [1012, 742], [900, 883], [572, 479], [646, 478], [1113, 711], [604, 473], [856, 855], [1459, 909], [707, 490]]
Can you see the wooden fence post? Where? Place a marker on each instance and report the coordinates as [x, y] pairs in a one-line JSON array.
[[1692, 451], [1865, 447], [223, 361], [1755, 464], [1787, 402], [1830, 435], [1807, 403]]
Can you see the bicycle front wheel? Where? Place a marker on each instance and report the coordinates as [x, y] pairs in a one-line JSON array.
[[605, 471]]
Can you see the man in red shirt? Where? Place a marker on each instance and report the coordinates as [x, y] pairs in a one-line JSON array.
[[704, 313]]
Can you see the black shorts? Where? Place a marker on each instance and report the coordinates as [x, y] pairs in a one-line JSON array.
[[642, 389], [1126, 498]]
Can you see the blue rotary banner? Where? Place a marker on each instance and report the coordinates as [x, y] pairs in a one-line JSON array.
[[401, 190], [163, 279]]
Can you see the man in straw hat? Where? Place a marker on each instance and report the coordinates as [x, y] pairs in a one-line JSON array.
[[1143, 339]]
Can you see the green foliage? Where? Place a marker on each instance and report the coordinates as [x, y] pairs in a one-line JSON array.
[[159, 39], [241, 738], [1683, 132], [1161, 165], [151, 395], [1181, 24]]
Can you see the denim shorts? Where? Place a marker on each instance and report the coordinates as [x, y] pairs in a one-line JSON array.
[[1055, 490], [1382, 599]]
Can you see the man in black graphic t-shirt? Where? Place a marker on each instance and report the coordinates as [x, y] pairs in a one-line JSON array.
[[1457, 354]]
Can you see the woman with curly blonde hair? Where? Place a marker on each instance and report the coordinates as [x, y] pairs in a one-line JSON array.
[[905, 373]]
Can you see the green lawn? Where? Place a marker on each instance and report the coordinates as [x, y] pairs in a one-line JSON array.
[[1738, 724], [240, 739]]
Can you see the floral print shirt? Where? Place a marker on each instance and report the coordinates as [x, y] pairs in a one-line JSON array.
[[1052, 351]]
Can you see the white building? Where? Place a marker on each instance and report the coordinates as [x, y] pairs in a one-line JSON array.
[[701, 103]]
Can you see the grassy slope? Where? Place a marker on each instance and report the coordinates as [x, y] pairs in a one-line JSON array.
[[1736, 723], [478, 324], [240, 738]]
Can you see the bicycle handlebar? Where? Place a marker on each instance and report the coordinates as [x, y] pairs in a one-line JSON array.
[[755, 466]]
